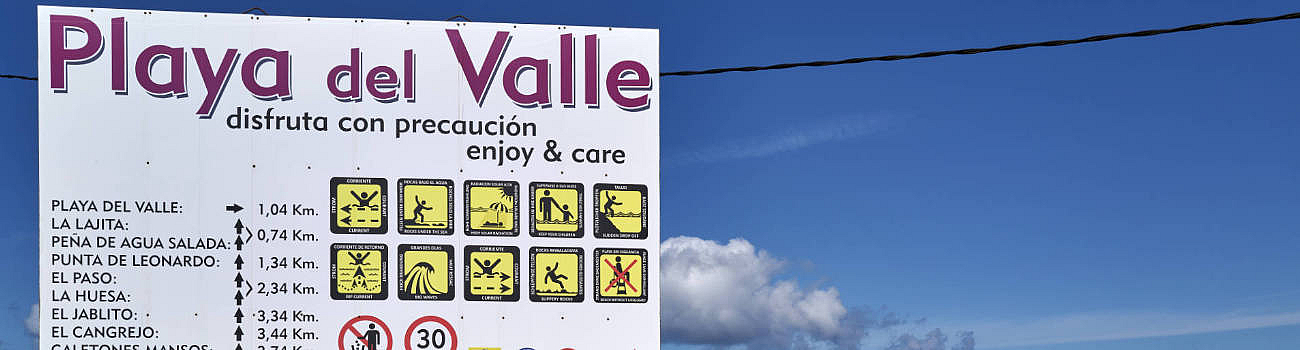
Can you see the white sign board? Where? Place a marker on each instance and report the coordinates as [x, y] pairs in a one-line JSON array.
[[223, 181]]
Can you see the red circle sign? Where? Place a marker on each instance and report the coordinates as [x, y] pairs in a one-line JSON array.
[[451, 331], [350, 327]]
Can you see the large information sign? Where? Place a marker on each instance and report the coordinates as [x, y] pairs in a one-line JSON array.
[[222, 181]]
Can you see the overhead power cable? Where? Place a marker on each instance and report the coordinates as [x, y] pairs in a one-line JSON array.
[[1009, 47], [11, 76], [972, 51]]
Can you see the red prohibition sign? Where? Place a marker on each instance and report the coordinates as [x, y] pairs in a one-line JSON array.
[[410, 330], [350, 327]]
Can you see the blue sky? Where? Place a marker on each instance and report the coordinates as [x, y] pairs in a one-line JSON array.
[[1132, 194]]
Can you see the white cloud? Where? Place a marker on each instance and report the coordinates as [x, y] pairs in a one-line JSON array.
[[718, 294], [33, 321], [1119, 325], [789, 140], [934, 340]]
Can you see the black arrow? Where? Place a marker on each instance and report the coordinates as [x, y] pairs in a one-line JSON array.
[[504, 277], [505, 288], [239, 316], [239, 333], [234, 208], [239, 262], [347, 220], [239, 298], [347, 209], [239, 234], [239, 280], [238, 347]]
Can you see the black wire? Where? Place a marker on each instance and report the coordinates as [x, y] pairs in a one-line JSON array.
[[10, 76], [259, 9], [1095, 38], [1009, 47]]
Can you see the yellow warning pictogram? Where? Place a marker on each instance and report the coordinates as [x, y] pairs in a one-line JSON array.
[[621, 275], [491, 273], [425, 206], [555, 274], [492, 207], [556, 209], [621, 211], [359, 271], [358, 205], [426, 272]]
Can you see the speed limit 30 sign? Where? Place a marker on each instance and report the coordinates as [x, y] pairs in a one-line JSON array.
[[430, 333]]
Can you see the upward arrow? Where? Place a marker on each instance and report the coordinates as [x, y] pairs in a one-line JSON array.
[[239, 234], [239, 316], [239, 298], [239, 347], [239, 333], [234, 208], [239, 262], [239, 280]]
